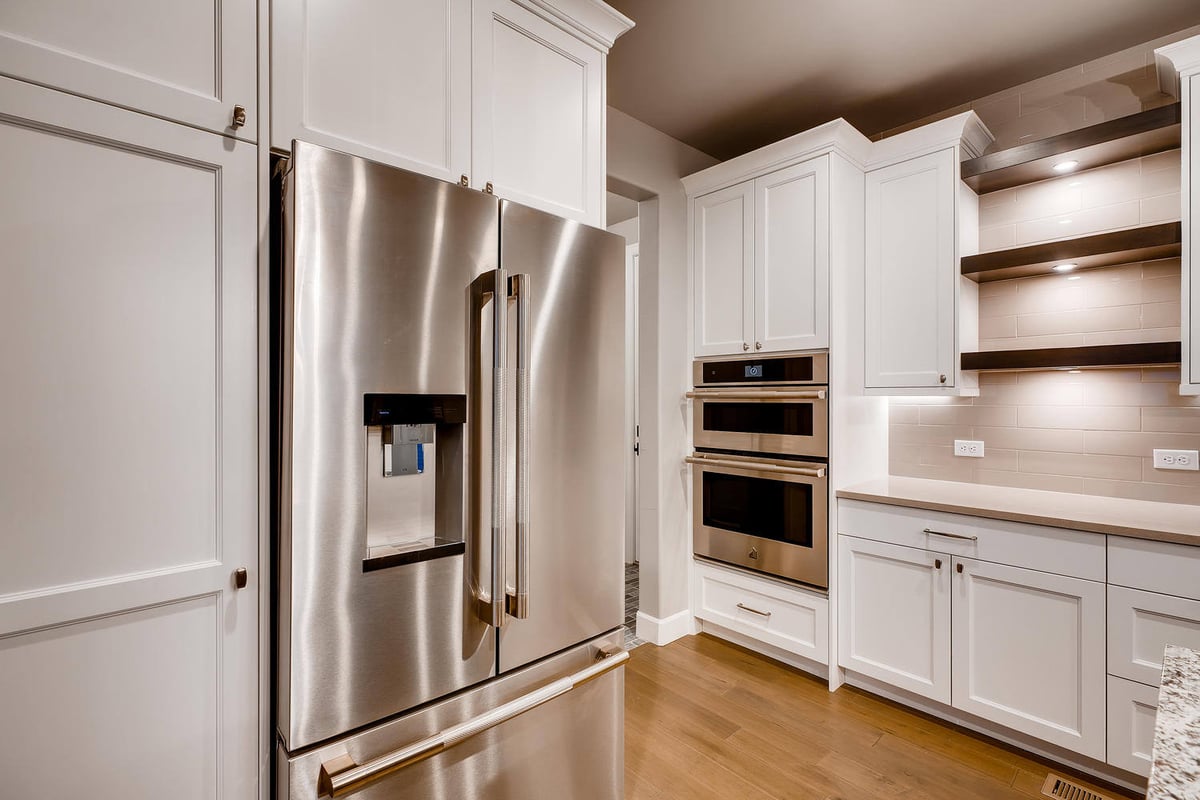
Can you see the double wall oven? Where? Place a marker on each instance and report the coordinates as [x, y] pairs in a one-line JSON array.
[[761, 435]]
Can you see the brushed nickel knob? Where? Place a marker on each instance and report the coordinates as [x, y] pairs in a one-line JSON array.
[[488, 188], [239, 117], [758, 345], [464, 181], [941, 378], [753, 553], [745, 346]]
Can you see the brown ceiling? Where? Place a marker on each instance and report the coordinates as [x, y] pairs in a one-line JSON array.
[[727, 76]]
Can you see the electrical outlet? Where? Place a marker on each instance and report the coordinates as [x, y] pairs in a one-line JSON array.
[[968, 448], [1176, 459]]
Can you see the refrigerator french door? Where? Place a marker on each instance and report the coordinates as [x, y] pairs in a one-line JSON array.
[[450, 489]]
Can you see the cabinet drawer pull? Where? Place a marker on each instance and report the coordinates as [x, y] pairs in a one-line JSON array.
[[932, 532], [744, 607]]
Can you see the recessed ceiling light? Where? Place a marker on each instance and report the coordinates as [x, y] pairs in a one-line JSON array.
[[1064, 267], [1065, 166]]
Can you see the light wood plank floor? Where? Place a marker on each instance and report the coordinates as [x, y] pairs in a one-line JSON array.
[[707, 719]]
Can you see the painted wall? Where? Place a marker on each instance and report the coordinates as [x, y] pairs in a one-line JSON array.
[[1089, 432], [646, 158]]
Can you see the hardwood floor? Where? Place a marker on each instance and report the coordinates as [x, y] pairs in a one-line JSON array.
[[707, 719]]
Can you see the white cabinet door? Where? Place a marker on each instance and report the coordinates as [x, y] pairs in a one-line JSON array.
[[1132, 708], [128, 320], [1029, 652], [723, 283], [1141, 625], [911, 273], [186, 60], [1190, 89], [791, 258], [894, 619], [388, 80], [537, 113]]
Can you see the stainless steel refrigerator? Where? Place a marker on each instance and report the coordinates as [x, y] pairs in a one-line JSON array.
[[450, 492]]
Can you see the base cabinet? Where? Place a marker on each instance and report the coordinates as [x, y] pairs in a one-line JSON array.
[[894, 617], [1028, 652], [1132, 708]]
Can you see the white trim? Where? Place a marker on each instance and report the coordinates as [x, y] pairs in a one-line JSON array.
[[965, 131], [664, 631], [591, 20], [1174, 60]]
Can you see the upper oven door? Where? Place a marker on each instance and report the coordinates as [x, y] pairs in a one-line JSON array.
[[791, 422]]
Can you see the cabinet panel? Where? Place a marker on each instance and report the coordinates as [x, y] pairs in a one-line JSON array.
[[911, 273], [723, 254], [1190, 89], [894, 619], [1029, 652], [129, 320], [386, 80], [1141, 625], [186, 60], [1132, 708], [1154, 566], [537, 113], [791, 263]]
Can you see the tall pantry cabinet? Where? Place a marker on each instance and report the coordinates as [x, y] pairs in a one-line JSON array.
[[128, 342]]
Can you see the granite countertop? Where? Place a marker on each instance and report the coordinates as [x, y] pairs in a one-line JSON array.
[[1176, 771], [1140, 519]]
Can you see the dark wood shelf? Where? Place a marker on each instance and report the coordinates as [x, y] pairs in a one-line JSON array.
[[1146, 243], [1093, 356], [1116, 140]]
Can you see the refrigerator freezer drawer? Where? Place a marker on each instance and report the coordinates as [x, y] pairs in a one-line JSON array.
[[569, 746]]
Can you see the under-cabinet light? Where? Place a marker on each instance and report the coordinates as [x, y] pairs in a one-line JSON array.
[[1064, 267], [1065, 166]]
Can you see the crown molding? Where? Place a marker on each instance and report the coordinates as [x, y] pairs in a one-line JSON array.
[[965, 131], [596, 21], [1173, 60]]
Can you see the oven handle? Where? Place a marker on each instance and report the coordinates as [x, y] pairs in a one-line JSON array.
[[756, 466], [748, 394]]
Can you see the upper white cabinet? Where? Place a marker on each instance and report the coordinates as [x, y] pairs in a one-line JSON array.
[[192, 61], [920, 218], [1028, 652], [389, 80], [723, 254], [1179, 74], [760, 256], [129, 320], [508, 95]]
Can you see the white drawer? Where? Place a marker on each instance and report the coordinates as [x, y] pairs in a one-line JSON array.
[[773, 613], [1154, 566], [1141, 624], [1132, 708], [1057, 550]]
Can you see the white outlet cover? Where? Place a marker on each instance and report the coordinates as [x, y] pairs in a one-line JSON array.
[[968, 448], [1177, 459]]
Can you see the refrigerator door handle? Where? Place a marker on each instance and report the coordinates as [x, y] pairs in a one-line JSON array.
[[490, 286], [341, 776], [517, 600]]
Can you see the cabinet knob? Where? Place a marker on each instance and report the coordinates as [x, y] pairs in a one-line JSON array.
[[941, 378], [745, 346], [758, 345], [464, 181], [937, 563], [753, 553], [488, 188], [959, 568], [239, 117], [240, 576]]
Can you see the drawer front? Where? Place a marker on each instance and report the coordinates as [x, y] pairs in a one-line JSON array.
[[1131, 711], [775, 614], [1057, 550], [1141, 624], [1154, 566]]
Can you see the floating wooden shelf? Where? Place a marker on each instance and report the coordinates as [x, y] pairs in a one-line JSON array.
[[1119, 139], [1098, 250], [1093, 356]]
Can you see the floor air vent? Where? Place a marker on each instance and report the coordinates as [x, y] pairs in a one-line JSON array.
[[1060, 788]]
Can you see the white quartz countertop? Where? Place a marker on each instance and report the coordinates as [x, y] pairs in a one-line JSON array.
[[1141, 519], [1176, 771]]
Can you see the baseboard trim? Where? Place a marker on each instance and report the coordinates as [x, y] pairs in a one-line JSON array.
[[664, 631]]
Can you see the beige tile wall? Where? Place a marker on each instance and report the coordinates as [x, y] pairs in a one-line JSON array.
[[1090, 432], [1087, 432]]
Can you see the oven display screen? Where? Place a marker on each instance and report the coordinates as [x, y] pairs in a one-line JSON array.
[[771, 509]]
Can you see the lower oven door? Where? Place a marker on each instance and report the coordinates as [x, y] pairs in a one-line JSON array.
[[768, 515]]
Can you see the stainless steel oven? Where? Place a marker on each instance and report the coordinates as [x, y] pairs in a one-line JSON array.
[[762, 405], [770, 515], [761, 434]]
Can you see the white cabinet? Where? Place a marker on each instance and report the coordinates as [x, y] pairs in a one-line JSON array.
[[1028, 652], [1132, 708], [128, 319], [723, 283], [187, 60], [537, 113], [894, 615], [761, 254], [791, 258], [509, 95], [388, 80], [1141, 625]]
